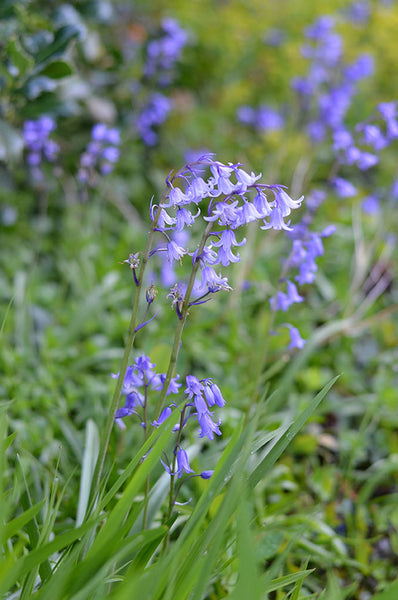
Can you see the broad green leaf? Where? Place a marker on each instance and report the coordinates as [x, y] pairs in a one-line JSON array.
[[57, 69], [61, 40]]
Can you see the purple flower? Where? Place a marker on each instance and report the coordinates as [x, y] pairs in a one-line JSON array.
[[261, 204], [194, 387], [296, 341], [268, 119], [206, 474], [280, 302], [175, 252], [151, 116], [183, 463], [100, 155], [213, 395], [185, 218], [371, 205], [225, 213], [213, 282], [292, 293], [246, 115], [164, 51], [38, 144], [166, 412], [207, 426], [225, 244], [343, 188], [373, 136], [367, 160]]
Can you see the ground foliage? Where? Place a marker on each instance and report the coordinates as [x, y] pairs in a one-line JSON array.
[[299, 506]]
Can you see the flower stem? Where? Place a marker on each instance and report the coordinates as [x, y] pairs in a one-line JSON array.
[[181, 322], [105, 437]]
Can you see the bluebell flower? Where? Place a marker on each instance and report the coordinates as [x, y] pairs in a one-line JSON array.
[[207, 257], [261, 204], [225, 213], [212, 281], [174, 251], [373, 136], [213, 395], [296, 341], [198, 189], [207, 426], [185, 218], [38, 144], [320, 28], [388, 110], [247, 213], [367, 160], [268, 119], [165, 221], [246, 115], [281, 208], [245, 180], [221, 179], [100, 155], [371, 205], [164, 51], [183, 463], [225, 244], [151, 116], [206, 474], [361, 68], [292, 293], [359, 11], [280, 302], [343, 188], [165, 414], [194, 386]]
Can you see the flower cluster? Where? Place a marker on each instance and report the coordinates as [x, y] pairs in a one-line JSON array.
[[362, 146], [38, 144], [153, 114], [329, 84], [201, 396], [163, 52], [138, 379], [307, 246], [161, 56], [230, 198], [100, 155], [263, 119]]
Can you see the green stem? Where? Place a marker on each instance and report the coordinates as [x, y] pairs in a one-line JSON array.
[[172, 477], [126, 357], [181, 322]]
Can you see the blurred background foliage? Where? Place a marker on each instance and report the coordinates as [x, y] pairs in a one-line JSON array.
[[65, 299]]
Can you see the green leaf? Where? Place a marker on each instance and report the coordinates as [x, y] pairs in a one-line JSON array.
[[61, 40], [57, 69], [41, 554], [390, 593], [9, 440], [89, 461], [18, 57], [275, 452], [16, 524]]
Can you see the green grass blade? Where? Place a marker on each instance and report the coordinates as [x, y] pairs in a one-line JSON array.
[[263, 468], [90, 456]]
